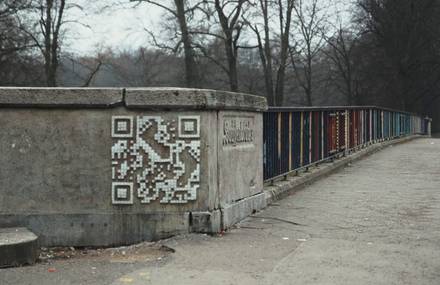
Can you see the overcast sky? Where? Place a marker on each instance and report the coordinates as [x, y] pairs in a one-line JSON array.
[[117, 27], [121, 26]]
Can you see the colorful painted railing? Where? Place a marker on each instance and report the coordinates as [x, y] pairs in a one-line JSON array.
[[296, 138]]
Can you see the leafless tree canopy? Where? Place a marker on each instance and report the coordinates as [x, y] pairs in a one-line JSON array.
[[382, 52]]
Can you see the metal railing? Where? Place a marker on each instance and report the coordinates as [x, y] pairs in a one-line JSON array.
[[296, 138]]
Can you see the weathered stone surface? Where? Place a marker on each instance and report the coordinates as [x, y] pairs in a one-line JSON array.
[[240, 156], [112, 228], [60, 166], [192, 99], [205, 222], [60, 97], [18, 246], [57, 166], [235, 212]]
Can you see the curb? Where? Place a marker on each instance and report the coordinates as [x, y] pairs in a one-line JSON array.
[[231, 214]]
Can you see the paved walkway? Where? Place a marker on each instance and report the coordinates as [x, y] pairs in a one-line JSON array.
[[374, 222]]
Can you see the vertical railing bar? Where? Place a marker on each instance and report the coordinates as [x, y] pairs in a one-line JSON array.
[[312, 137]]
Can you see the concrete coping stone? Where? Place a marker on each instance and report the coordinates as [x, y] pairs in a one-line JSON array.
[[60, 97], [164, 98], [192, 99], [10, 236], [18, 246]]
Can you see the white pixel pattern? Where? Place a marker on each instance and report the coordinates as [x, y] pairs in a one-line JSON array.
[[153, 158], [120, 127], [122, 193], [186, 126]]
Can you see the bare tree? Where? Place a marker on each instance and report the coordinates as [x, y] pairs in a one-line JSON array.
[[222, 22], [180, 11], [229, 18], [11, 7], [46, 33], [340, 51], [407, 34], [12, 40], [266, 36], [285, 21], [86, 68], [138, 68], [44, 21], [265, 49], [18, 66], [311, 25], [50, 25]]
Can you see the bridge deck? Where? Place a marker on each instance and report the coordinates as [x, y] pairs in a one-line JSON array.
[[374, 222]]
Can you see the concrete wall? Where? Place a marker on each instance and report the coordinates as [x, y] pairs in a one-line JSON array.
[[97, 167]]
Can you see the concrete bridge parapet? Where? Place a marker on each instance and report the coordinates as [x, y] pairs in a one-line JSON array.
[[100, 167]]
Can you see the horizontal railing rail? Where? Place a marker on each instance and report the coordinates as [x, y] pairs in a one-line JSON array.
[[297, 137], [330, 108]]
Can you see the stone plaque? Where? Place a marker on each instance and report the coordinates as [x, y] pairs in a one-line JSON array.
[[238, 130]]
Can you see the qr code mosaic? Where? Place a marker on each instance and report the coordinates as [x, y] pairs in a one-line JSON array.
[[155, 159]]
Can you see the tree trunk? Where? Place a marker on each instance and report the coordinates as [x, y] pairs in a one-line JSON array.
[[309, 78], [50, 81], [309, 97], [268, 55], [279, 89], [233, 76], [349, 81], [51, 31], [228, 25], [232, 64], [269, 86], [191, 76], [266, 62]]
